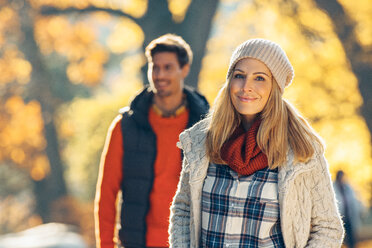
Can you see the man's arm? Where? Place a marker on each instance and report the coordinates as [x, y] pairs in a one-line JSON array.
[[108, 185]]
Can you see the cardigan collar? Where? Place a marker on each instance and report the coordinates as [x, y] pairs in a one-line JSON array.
[[192, 141]]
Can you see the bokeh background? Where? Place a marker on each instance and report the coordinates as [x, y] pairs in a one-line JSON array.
[[68, 66]]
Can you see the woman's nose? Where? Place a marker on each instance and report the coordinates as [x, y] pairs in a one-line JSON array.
[[247, 85]]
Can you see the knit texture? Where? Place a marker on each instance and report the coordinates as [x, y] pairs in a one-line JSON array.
[[268, 52], [241, 151], [308, 212]]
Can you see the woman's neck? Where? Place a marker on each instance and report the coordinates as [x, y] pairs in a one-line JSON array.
[[248, 121]]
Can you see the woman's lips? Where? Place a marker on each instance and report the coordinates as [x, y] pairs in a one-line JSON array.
[[247, 98]]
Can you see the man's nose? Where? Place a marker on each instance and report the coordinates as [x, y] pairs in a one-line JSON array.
[[160, 73]]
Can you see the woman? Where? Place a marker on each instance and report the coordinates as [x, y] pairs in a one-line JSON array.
[[254, 173]]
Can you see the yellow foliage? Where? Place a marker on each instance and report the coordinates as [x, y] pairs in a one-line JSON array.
[[136, 8], [348, 148], [18, 156], [17, 213], [13, 67], [78, 43], [210, 83], [324, 89], [130, 72], [9, 25], [361, 12], [127, 35], [87, 121], [311, 17], [57, 34], [62, 4], [21, 133], [8, 19], [89, 70], [75, 212], [178, 8], [40, 168], [83, 123]]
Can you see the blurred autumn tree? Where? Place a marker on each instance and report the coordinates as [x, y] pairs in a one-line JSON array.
[[331, 54], [155, 18], [352, 23], [67, 66], [139, 22], [55, 51]]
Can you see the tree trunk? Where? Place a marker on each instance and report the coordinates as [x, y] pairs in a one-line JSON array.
[[195, 28], [53, 186], [357, 55], [158, 21]]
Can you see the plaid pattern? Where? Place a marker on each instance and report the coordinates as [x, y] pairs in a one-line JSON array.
[[240, 212]]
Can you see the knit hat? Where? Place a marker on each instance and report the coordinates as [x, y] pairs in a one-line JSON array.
[[269, 53]]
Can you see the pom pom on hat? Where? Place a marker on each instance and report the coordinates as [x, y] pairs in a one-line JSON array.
[[269, 53]]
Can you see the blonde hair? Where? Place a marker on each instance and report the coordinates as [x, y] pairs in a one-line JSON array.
[[281, 127]]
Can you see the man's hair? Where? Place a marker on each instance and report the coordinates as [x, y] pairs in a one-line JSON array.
[[170, 43]]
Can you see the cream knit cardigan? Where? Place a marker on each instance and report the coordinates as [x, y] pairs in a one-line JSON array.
[[308, 212]]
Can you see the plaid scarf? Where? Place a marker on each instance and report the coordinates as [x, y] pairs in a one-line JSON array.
[[241, 151]]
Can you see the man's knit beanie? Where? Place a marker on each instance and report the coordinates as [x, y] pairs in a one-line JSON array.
[[269, 53]]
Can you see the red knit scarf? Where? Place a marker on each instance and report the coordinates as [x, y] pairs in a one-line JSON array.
[[241, 151]]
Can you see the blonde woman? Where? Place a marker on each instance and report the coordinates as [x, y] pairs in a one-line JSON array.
[[254, 173]]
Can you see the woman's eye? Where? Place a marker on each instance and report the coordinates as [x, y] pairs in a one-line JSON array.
[[259, 78], [238, 76]]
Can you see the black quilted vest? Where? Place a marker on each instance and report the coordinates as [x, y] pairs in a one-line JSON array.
[[140, 152]]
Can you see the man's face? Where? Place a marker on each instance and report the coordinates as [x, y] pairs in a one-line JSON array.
[[166, 75]]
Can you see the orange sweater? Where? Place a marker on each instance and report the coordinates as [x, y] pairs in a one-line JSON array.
[[167, 168]]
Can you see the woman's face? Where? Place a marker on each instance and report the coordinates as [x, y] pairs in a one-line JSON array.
[[250, 87]]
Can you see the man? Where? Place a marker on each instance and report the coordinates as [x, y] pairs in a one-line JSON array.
[[140, 158]]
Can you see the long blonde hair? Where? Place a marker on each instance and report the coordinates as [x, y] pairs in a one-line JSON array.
[[281, 127]]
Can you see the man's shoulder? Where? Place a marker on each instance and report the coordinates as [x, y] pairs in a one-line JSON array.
[[125, 113], [140, 102], [124, 110], [193, 95], [197, 104]]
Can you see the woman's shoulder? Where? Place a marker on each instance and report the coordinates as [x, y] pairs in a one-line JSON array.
[[316, 162], [192, 142], [195, 134]]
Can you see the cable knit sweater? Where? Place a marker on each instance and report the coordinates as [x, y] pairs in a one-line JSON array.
[[308, 212]]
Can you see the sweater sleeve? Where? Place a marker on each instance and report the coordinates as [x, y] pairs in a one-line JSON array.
[[179, 227], [326, 225], [108, 186]]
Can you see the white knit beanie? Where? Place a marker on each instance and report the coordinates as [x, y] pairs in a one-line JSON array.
[[269, 53]]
